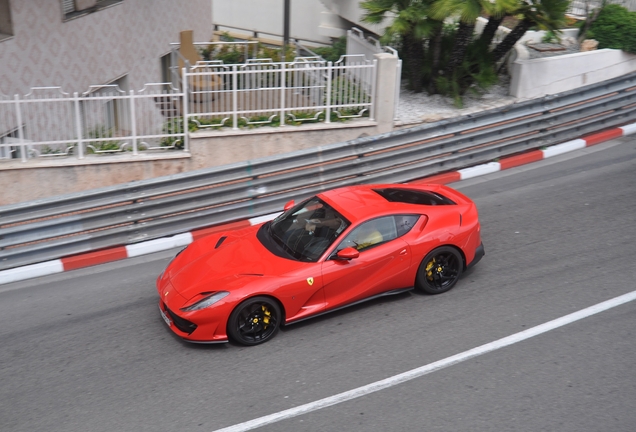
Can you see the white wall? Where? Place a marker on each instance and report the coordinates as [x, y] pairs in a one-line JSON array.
[[126, 38], [550, 75], [311, 20], [266, 17]]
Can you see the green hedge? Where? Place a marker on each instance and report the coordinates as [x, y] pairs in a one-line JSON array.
[[615, 28]]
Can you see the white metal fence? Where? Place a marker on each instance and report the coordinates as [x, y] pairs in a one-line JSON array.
[[263, 92], [49, 122]]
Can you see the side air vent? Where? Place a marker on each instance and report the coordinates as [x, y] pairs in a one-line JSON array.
[[220, 242]]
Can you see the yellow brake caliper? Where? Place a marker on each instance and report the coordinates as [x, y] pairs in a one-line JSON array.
[[266, 316], [429, 269]]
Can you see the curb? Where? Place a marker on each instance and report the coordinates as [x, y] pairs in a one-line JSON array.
[[122, 252]]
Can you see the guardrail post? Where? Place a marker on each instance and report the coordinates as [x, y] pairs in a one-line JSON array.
[[328, 110], [133, 122], [18, 114], [78, 126]]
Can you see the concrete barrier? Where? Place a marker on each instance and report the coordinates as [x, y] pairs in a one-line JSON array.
[[550, 75]]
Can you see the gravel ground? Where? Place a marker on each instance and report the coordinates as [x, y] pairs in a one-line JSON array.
[[417, 108]]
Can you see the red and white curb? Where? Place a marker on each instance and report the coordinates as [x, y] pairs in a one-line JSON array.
[[529, 157], [121, 252]]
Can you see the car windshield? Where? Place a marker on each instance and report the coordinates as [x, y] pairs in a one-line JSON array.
[[308, 229]]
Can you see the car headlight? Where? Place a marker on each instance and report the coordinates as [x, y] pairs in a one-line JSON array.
[[206, 301]]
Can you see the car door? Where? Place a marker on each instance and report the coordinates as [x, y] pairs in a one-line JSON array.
[[382, 265]]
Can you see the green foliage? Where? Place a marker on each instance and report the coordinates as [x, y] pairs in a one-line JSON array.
[[173, 126], [476, 74], [230, 54], [615, 28], [332, 53], [551, 37], [102, 140]]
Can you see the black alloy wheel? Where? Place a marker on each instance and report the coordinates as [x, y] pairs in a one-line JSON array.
[[439, 271], [254, 321]]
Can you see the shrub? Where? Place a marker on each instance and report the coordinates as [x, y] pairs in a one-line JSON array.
[[332, 53], [615, 28]]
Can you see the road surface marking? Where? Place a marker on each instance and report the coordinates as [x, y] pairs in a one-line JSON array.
[[431, 367]]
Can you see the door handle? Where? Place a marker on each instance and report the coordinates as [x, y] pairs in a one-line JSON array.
[[403, 252]]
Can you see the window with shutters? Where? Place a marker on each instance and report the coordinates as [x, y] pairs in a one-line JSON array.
[[76, 8]]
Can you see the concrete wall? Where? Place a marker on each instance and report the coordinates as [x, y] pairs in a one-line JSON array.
[[550, 75], [40, 178], [127, 38], [533, 78]]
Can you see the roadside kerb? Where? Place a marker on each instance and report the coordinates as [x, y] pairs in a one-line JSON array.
[[143, 248]]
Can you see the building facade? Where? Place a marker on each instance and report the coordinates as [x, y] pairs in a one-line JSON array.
[[75, 44], [311, 21]]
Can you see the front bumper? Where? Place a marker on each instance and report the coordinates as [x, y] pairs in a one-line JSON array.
[[185, 328]]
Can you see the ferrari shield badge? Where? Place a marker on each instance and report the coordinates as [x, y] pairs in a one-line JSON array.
[[310, 281]]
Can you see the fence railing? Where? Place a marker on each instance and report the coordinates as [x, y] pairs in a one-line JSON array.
[[120, 215], [49, 122], [263, 92]]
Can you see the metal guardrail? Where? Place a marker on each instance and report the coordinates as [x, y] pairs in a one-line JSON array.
[[44, 229]]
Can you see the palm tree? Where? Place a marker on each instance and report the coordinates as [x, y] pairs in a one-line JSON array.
[[548, 14], [496, 11], [468, 12], [410, 24]]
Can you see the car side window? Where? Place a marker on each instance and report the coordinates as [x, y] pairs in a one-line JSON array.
[[378, 231], [371, 233], [404, 223]]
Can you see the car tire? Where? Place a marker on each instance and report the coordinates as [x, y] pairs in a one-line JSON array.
[[254, 321], [439, 271]]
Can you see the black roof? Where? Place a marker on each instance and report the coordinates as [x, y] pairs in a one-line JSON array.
[[410, 196]]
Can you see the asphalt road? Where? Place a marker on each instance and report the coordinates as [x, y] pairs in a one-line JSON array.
[[88, 351]]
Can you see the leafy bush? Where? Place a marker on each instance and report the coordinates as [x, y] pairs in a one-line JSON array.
[[102, 143], [550, 37], [475, 75], [332, 53], [615, 28]]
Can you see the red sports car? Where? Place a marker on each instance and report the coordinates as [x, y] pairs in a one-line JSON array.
[[332, 250]]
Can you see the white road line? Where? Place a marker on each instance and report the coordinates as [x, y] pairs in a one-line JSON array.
[[431, 367]]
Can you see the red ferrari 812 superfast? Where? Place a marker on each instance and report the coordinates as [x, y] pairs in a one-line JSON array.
[[333, 250]]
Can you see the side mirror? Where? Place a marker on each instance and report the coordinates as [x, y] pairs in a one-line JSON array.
[[289, 205], [347, 253]]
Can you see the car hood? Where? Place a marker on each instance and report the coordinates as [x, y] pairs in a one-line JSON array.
[[225, 262]]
